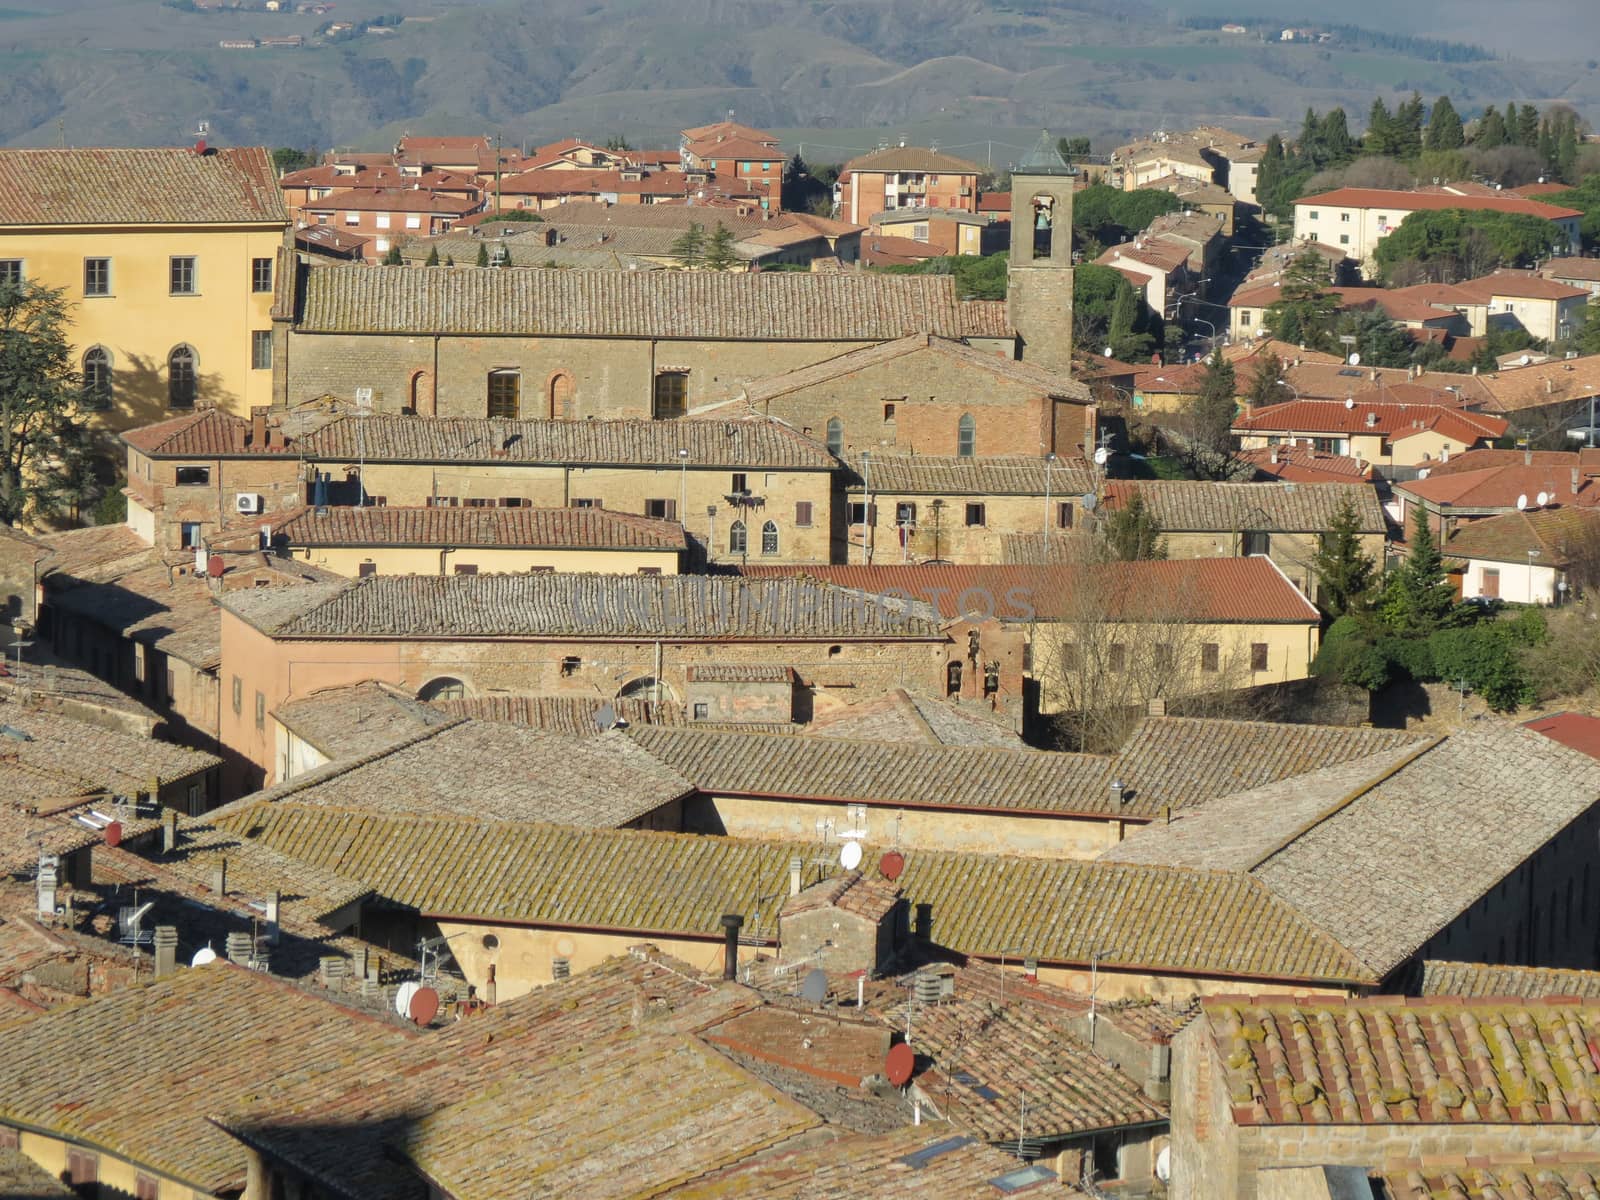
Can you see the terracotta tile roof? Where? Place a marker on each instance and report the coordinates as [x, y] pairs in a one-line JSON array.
[[1184, 506], [1586, 269], [1394, 421], [730, 129], [1441, 978], [532, 528], [557, 604], [1579, 731], [1165, 256], [1497, 488], [899, 716], [1407, 202], [1174, 379], [890, 250], [1563, 381], [928, 1162], [94, 552], [139, 187], [735, 149], [1179, 761], [909, 776], [1209, 589], [494, 771], [1493, 1177], [943, 475], [1302, 464], [593, 183], [692, 304], [912, 158], [216, 1027], [596, 1073], [573, 716], [745, 442], [988, 1057], [376, 175], [1389, 1060], [1166, 919], [852, 892], [395, 199], [1519, 285], [1556, 535], [207, 433], [344, 722]]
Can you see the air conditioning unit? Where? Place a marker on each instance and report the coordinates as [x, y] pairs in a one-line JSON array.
[[249, 502]]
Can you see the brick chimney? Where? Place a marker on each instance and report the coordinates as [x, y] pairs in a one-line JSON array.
[[258, 428]]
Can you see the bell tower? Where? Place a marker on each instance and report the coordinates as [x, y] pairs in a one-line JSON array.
[[1039, 274]]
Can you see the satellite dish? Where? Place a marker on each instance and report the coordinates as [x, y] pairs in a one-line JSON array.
[[1164, 1165], [1542, 499], [902, 1061], [814, 987], [203, 956], [605, 717], [850, 855], [1349, 401], [403, 995], [1524, 360], [424, 1006], [1522, 501], [891, 865], [1107, 352], [1089, 501], [1355, 360], [1100, 456]]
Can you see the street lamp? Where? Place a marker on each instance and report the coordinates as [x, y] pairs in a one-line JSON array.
[[1290, 386], [683, 482], [1533, 553]]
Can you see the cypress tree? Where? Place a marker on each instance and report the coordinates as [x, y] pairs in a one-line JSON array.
[[1344, 573], [1444, 126], [483, 255], [433, 257], [1491, 131], [1527, 124]]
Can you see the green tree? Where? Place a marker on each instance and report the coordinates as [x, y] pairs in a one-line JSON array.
[[1304, 310], [618, 144], [1587, 338], [45, 450], [1071, 148], [1384, 135], [393, 257], [1419, 599], [1527, 124], [1266, 383], [1338, 147], [1445, 131], [1491, 131], [1352, 652], [719, 249], [287, 158], [1131, 532], [690, 246], [526, 215], [483, 255], [433, 257], [1452, 244], [1408, 128], [1344, 571], [1486, 656], [1380, 341], [449, 260], [1210, 414]]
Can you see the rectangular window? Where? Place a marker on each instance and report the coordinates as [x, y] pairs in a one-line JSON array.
[[585, 503], [702, 711], [11, 270], [858, 512], [1210, 657], [145, 1187], [83, 1172], [383, 220], [1344, 239], [1315, 215], [413, 221], [661, 510], [97, 277], [352, 218], [261, 710], [905, 513], [1258, 656], [641, 571], [261, 349], [466, 568], [181, 277], [1117, 656], [1344, 216], [1245, 317], [570, 664], [976, 515], [505, 394], [238, 696], [741, 483], [1256, 542], [193, 476], [260, 274], [364, 569], [888, 411], [802, 514], [1064, 514], [189, 534], [671, 394]]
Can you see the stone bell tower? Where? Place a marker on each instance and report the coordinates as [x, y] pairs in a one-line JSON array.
[[1039, 275]]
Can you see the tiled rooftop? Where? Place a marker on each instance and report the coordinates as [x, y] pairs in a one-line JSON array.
[[553, 604], [23, 1179], [903, 717], [1184, 506], [1493, 1177], [734, 443], [139, 187], [1440, 978], [1580, 731], [574, 716], [655, 304], [1390, 1060], [345, 722], [912, 158], [208, 1036], [531, 528], [1390, 420], [1497, 487], [1555, 536], [1404, 202], [939, 475], [205, 433]]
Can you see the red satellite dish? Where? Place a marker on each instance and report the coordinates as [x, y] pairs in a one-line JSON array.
[[215, 566], [902, 1061], [114, 834], [424, 1005], [891, 865]]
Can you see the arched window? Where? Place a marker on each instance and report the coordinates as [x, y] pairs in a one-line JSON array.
[[835, 436], [443, 688], [966, 436], [97, 377], [182, 385], [561, 397], [769, 538], [646, 687], [736, 538]]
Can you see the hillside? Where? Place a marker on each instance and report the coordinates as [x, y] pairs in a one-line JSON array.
[[140, 71]]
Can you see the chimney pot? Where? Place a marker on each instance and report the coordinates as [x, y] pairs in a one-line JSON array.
[[730, 949], [219, 877], [166, 948], [796, 868], [169, 830]]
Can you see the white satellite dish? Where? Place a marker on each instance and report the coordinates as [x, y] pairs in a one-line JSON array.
[[1522, 501], [1089, 501], [1107, 352], [1524, 360], [850, 855], [1100, 456], [203, 956], [1349, 401], [1542, 499], [1355, 360], [402, 997], [1164, 1164]]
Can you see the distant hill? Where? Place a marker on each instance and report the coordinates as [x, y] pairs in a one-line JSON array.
[[142, 71]]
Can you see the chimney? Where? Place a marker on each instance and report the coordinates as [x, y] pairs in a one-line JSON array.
[[219, 877], [1157, 707], [924, 922], [1574, 481], [169, 830], [258, 428], [166, 942], [1549, 386], [1091, 427], [239, 948], [200, 146], [1273, 457], [796, 865], [1527, 456], [730, 944], [274, 902], [1118, 791]]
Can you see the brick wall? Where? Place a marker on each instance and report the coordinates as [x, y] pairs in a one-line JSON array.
[[836, 940], [1039, 299]]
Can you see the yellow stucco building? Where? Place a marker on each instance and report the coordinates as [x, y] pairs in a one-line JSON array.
[[167, 259]]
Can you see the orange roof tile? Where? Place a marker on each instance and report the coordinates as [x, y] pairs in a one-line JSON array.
[[1424, 201], [1578, 731], [1388, 420], [139, 187]]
